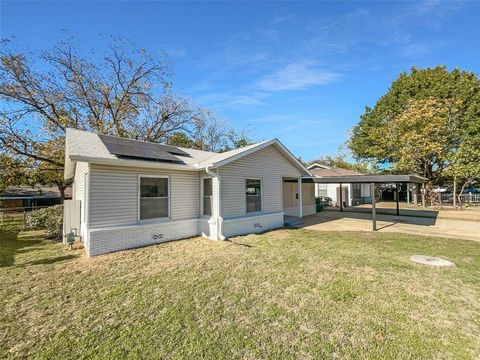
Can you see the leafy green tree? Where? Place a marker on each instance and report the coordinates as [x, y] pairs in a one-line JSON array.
[[465, 166], [341, 161], [420, 124]]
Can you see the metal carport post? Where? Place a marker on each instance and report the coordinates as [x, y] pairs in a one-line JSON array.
[[374, 209], [372, 180]]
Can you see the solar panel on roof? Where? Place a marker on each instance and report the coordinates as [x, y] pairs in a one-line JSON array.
[[140, 149]]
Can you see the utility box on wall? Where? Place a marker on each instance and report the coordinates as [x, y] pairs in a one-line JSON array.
[[71, 218]]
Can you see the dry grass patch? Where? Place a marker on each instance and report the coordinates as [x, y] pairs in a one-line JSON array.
[[283, 294]]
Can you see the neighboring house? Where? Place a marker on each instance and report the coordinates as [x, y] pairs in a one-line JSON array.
[[134, 193], [352, 194], [31, 197]]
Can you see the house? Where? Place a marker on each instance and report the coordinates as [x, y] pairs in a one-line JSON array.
[[31, 197], [132, 193], [352, 193]]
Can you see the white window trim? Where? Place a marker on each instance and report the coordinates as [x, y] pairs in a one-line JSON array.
[[261, 194], [201, 197], [159, 219]]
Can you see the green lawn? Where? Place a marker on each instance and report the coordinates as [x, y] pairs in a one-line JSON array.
[[284, 294]]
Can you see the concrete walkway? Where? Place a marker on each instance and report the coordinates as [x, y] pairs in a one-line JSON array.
[[442, 226], [447, 212]]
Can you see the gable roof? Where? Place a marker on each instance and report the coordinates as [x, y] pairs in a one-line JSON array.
[[232, 155], [334, 171], [88, 147], [317, 166]]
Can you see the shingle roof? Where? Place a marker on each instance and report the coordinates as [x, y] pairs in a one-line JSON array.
[[333, 171], [88, 147]]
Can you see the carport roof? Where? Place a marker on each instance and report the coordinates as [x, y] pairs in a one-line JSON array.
[[378, 179]]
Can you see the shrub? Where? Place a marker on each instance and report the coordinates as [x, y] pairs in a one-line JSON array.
[[50, 219]]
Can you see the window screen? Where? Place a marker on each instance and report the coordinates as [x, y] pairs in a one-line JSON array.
[[254, 195], [207, 196], [153, 198]]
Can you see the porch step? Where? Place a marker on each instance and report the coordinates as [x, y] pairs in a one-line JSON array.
[[292, 221]]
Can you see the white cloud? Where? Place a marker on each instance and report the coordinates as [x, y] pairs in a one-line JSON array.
[[414, 50], [226, 99], [297, 76]]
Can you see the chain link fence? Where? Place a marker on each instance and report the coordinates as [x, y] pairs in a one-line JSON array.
[[16, 217], [470, 198]]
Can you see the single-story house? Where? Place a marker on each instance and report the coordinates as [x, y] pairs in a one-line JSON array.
[[31, 197], [352, 193], [131, 193]]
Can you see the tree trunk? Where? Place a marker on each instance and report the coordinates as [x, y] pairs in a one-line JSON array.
[[460, 203], [454, 192], [424, 190], [62, 188]]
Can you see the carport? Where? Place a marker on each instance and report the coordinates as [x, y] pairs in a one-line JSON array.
[[373, 180]]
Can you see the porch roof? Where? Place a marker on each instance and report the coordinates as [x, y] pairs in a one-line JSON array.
[[377, 179]]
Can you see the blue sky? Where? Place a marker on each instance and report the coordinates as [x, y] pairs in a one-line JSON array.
[[298, 71]]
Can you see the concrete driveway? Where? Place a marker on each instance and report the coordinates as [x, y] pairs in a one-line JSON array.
[[437, 225]]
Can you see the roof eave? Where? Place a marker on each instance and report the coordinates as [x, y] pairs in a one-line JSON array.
[[130, 163], [385, 179]]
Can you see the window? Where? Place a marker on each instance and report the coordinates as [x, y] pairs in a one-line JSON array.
[[357, 191], [254, 195], [322, 190], [207, 196], [153, 197]]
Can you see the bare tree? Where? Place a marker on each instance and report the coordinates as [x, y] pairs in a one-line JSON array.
[[126, 92]]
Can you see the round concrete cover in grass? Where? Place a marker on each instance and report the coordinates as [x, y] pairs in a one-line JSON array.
[[430, 260]]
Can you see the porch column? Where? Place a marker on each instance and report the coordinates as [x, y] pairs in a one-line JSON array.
[[374, 210], [397, 198], [408, 193], [341, 198], [423, 195], [300, 210]]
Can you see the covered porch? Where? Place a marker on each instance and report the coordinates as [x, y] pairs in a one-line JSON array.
[[298, 200]]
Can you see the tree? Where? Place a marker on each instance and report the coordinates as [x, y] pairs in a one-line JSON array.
[[210, 134], [340, 161], [125, 92], [465, 167], [14, 171], [421, 122]]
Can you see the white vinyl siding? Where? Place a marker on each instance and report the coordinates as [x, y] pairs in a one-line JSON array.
[[269, 165], [79, 190], [79, 187], [114, 194]]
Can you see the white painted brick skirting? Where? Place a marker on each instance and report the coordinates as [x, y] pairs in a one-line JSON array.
[[252, 224], [105, 240]]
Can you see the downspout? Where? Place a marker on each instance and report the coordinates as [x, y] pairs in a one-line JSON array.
[[218, 217]]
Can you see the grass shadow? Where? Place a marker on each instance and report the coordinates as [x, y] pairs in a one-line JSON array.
[[50, 260], [10, 245], [239, 244]]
